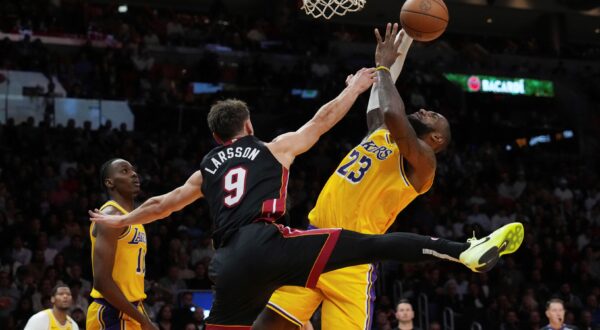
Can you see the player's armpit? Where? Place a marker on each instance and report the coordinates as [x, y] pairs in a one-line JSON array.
[[374, 120], [421, 163]]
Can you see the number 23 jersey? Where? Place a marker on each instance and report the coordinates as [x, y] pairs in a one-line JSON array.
[[367, 190]]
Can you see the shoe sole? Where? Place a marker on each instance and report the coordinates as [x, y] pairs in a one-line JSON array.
[[513, 238], [508, 239]]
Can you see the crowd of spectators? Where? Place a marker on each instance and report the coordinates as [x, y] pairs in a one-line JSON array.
[[131, 68], [49, 175], [49, 179]]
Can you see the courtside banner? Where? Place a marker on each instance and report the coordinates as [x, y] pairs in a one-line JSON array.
[[502, 85]]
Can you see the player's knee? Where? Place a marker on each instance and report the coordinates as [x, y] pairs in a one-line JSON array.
[[269, 320]]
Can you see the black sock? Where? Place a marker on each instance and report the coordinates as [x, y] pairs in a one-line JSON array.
[[354, 248]]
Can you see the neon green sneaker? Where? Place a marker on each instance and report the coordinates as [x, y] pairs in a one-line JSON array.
[[483, 254]]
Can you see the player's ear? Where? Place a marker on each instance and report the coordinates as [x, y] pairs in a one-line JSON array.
[[217, 138], [109, 183], [248, 127], [437, 138], [52, 300]]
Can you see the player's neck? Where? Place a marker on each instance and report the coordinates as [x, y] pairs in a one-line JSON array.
[[124, 202], [59, 315], [556, 325], [405, 325], [233, 139]]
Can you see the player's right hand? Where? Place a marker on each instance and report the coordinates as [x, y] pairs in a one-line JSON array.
[[387, 49], [114, 221], [361, 80]]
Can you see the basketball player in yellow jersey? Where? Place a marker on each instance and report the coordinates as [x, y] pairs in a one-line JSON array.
[[118, 257], [393, 165], [55, 318]]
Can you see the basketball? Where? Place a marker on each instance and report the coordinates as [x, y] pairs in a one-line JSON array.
[[424, 20]]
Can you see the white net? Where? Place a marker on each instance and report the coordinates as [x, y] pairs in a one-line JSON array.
[[328, 8]]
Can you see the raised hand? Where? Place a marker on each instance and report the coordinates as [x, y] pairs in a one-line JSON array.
[[387, 49], [362, 79]]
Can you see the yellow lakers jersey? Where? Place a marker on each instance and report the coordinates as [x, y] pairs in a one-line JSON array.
[[130, 266], [55, 325], [367, 190]]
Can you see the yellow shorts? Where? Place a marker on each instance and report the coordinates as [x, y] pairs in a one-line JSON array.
[[347, 295], [103, 316]]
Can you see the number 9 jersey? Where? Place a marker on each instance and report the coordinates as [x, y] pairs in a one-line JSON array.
[[367, 190], [242, 183]]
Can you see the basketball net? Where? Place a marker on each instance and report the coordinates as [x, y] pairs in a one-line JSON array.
[[329, 8]]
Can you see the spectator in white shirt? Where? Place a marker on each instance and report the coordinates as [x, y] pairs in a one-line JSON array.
[[562, 192], [55, 317], [49, 253], [20, 253], [500, 219], [506, 188], [479, 218]]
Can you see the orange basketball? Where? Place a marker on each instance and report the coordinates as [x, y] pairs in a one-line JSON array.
[[424, 20]]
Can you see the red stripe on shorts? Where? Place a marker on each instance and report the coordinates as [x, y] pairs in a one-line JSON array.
[[332, 237]]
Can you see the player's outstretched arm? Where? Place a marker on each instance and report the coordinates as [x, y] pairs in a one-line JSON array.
[[157, 207], [287, 146], [416, 151]]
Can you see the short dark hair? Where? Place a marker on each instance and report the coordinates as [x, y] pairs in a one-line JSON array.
[[56, 287], [554, 300], [226, 118], [403, 301], [104, 171]]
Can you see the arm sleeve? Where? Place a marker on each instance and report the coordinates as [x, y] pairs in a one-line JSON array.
[[38, 321]]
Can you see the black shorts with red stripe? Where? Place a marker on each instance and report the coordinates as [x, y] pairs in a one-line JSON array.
[[258, 259]]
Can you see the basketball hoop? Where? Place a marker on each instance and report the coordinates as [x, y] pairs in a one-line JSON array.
[[329, 8]]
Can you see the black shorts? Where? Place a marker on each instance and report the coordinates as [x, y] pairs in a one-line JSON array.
[[258, 259]]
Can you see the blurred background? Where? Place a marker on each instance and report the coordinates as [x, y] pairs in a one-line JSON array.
[[85, 81]]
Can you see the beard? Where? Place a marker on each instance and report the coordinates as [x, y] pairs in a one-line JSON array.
[[63, 308], [420, 128]]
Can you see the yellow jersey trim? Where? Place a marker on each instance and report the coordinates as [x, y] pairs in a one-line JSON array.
[[120, 209], [403, 173], [115, 205]]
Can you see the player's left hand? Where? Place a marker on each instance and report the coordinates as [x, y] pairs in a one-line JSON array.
[[362, 80], [114, 221], [387, 49]]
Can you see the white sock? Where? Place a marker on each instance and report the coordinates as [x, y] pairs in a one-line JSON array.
[[394, 70]]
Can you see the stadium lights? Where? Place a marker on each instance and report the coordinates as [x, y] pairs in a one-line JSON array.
[[122, 9], [541, 139]]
